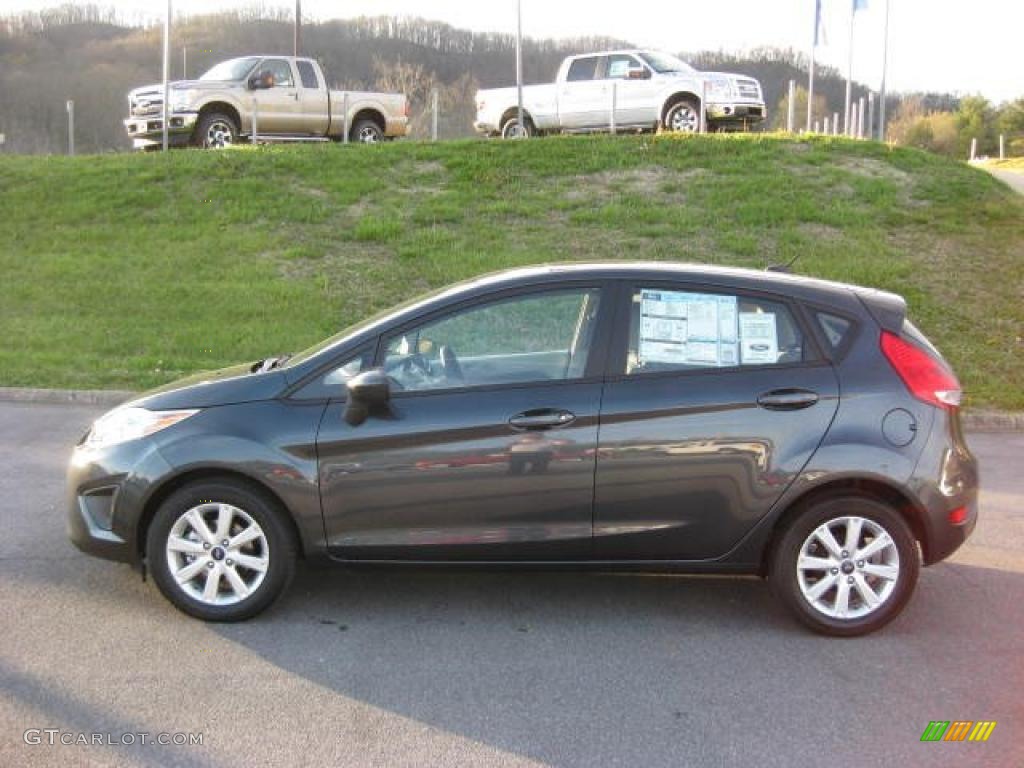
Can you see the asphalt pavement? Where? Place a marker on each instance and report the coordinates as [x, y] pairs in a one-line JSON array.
[[417, 668]]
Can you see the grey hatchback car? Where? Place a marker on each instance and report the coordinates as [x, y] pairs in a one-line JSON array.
[[653, 417]]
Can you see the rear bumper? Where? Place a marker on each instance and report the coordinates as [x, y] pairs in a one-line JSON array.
[[396, 127], [147, 131]]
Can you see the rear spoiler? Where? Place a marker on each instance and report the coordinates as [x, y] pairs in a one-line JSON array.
[[888, 309]]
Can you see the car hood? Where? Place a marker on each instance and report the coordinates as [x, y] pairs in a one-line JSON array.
[[236, 384], [183, 85]]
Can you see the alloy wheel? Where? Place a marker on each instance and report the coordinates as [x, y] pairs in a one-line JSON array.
[[217, 554], [848, 567]]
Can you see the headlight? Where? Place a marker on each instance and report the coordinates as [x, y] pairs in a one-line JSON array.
[[123, 424], [719, 88]]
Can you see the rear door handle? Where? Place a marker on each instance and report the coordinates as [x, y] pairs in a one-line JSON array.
[[787, 399], [542, 418]]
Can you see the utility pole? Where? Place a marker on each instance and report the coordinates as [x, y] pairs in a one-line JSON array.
[[814, 50], [885, 62], [167, 73], [847, 127], [298, 27], [519, 67]]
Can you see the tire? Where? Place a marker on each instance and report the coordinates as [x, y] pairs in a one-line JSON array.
[[683, 117], [810, 575], [366, 132], [174, 544], [510, 129], [215, 130]]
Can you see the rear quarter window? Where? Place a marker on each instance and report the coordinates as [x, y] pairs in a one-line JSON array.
[[834, 328]]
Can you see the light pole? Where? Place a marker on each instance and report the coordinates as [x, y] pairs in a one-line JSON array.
[[519, 67], [298, 27], [167, 73]]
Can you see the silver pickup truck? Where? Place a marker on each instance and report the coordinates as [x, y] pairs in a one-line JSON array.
[[647, 90], [281, 98]]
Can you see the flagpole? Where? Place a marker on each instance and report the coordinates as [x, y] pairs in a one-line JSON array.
[[167, 74], [810, 79], [885, 63], [849, 69]]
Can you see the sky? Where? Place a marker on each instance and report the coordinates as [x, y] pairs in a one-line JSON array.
[[934, 45]]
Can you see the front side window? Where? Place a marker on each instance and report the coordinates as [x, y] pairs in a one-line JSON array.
[[281, 71], [618, 66], [681, 330], [332, 383], [233, 69], [522, 339], [582, 69]]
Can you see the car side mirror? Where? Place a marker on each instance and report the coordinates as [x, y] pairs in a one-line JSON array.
[[638, 73], [367, 391]]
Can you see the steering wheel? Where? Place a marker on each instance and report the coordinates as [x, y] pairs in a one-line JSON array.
[[450, 364]]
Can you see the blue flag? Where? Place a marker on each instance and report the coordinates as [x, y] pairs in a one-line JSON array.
[[860, 5], [819, 25]]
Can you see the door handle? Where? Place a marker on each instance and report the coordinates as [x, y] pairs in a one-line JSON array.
[[787, 399], [542, 418]]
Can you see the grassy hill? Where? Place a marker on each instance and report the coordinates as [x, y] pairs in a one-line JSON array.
[[130, 270]]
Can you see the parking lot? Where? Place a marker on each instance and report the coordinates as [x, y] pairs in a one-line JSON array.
[[440, 668]]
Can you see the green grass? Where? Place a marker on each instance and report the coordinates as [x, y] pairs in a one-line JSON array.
[[126, 271]]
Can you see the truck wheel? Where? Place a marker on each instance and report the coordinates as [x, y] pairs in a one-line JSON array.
[[683, 117], [511, 129], [367, 132], [215, 131]]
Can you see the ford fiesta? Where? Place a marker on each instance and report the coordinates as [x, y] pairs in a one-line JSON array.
[[646, 417]]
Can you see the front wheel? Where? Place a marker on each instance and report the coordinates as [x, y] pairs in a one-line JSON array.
[[215, 131], [220, 551], [683, 117], [846, 566]]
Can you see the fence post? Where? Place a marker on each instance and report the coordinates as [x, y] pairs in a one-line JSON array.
[[344, 116], [433, 114], [1002, 146], [974, 149], [827, 126], [615, 105], [255, 120], [870, 130], [791, 110], [703, 110], [817, 125], [853, 120], [71, 127], [860, 118], [835, 123]]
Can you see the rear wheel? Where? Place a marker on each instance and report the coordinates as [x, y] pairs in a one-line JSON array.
[[846, 566], [367, 132], [215, 131], [220, 551], [511, 129]]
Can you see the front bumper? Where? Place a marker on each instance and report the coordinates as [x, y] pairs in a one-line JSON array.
[[739, 112], [106, 494], [149, 131]]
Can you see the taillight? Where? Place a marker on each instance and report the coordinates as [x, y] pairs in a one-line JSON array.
[[928, 379]]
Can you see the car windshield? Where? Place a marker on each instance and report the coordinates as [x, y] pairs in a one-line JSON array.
[[234, 69], [663, 63]]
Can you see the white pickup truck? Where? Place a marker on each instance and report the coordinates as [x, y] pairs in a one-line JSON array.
[[651, 90], [280, 98]]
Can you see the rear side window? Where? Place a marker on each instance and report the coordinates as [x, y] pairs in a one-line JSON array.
[[836, 329], [308, 75], [676, 330], [582, 69]]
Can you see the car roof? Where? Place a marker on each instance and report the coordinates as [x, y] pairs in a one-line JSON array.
[[809, 288]]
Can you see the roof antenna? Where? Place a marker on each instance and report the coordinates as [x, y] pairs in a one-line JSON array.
[[784, 268]]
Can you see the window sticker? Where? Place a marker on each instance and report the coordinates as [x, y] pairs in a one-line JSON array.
[[688, 329], [759, 338]]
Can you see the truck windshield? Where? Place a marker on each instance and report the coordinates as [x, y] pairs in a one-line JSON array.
[[234, 69], [663, 63]]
